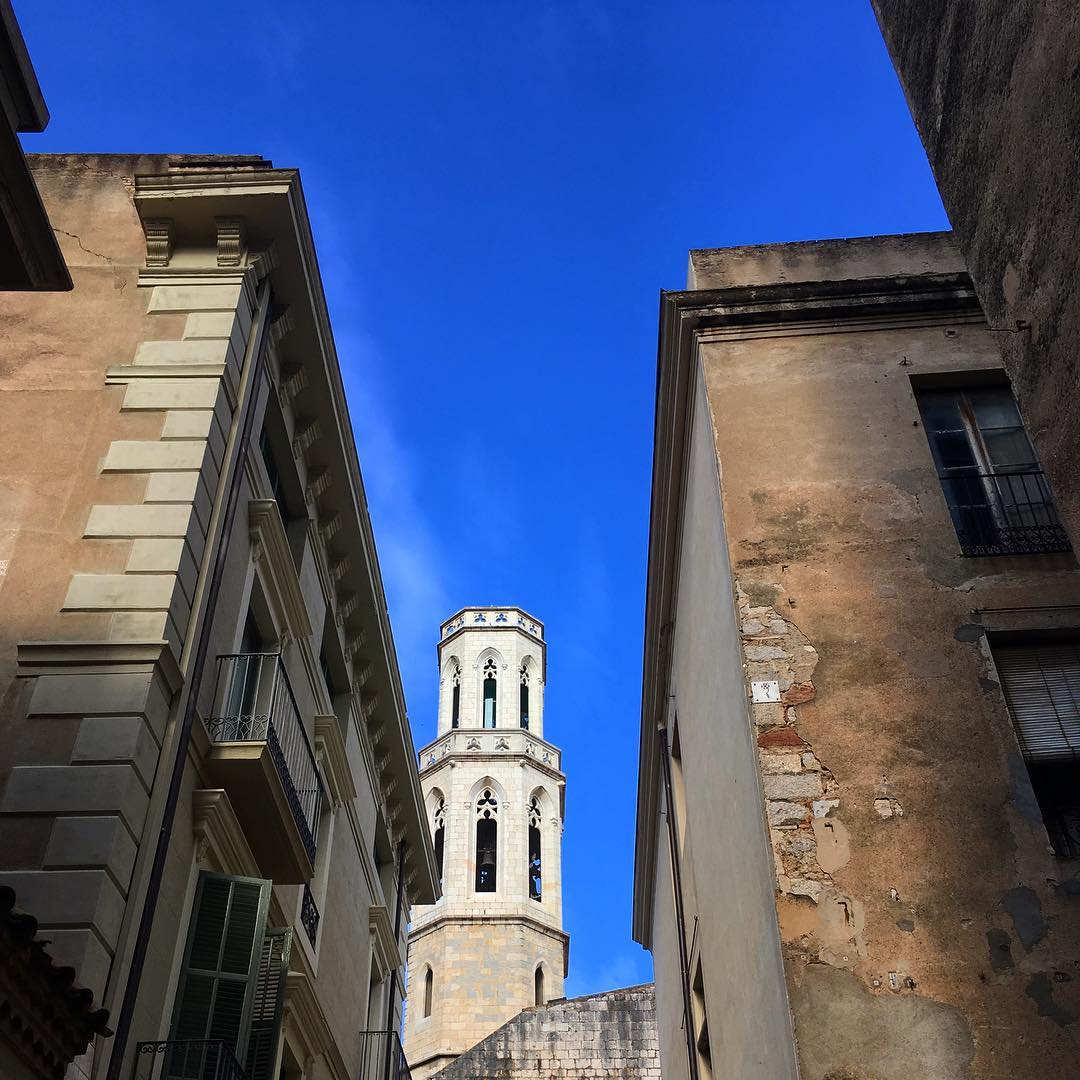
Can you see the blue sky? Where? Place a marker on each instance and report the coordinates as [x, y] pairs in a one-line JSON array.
[[499, 190]]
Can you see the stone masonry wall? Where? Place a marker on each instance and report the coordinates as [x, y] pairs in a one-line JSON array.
[[612, 1034]]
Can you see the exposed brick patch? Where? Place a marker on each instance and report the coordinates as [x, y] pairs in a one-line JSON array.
[[777, 737]]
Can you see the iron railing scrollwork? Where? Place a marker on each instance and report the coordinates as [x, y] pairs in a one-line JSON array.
[[309, 916], [1004, 513], [255, 703], [186, 1059]]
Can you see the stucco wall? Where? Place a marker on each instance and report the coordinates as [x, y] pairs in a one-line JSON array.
[[925, 930], [728, 876], [994, 86]]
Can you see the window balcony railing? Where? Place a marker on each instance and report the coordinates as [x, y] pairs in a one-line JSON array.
[[186, 1059], [256, 705], [309, 916], [1005, 513], [381, 1057]]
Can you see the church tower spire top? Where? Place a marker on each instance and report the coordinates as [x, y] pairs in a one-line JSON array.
[[494, 790]]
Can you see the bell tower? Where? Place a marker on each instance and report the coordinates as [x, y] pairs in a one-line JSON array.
[[494, 792]]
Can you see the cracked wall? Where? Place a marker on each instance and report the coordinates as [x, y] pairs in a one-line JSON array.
[[926, 928]]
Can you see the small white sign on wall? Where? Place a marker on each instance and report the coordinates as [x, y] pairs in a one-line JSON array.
[[764, 690]]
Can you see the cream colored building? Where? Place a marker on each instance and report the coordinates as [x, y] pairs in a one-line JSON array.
[[208, 791], [494, 796]]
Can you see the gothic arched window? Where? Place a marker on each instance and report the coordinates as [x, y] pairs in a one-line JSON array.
[[455, 697], [535, 868], [538, 984], [524, 698], [439, 837], [487, 841], [490, 687], [429, 986]]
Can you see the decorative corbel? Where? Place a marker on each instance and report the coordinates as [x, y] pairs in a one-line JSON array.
[[329, 529], [306, 437], [296, 381], [318, 486], [159, 241], [231, 242]]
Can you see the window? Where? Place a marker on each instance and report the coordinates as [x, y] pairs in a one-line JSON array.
[[997, 495], [535, 868], [429, 984], [538, 985], [277, 486], [490, 687], [440, 834], [487, 808], [524, 698], [455, 697], [1041, 682], [232, 985]]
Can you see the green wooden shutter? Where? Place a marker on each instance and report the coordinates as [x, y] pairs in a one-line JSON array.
[[221, 965], [269, 1000]]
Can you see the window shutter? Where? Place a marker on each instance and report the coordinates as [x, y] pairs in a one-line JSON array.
[[267, 1005], [1042, 690], [222, 962]]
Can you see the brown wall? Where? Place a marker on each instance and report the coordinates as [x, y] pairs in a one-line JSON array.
[[933, 873], [994, 86]]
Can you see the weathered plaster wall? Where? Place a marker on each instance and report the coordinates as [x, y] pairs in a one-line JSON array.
[[994, 86], [602, 1036], [927, 929], [727, 872]]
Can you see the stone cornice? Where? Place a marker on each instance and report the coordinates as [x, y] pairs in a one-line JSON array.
[[334, 761], [382, 934], [273, 558], [219, 839], [305, 1023]]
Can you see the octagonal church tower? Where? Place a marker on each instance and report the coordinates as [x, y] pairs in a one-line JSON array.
[[494, 791]]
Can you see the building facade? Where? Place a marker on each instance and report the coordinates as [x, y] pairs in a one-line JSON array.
[[993, 88], [858, 828], [494, 793], [208, 791]]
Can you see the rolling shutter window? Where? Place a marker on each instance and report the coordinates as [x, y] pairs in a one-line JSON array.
[[225, 946], [269, 999], [1042, 689]]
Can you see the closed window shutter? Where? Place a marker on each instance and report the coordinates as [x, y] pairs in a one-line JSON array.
[[268, 1002], [1042, 690], [220, 971]]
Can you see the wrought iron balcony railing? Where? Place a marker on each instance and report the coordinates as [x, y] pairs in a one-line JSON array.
[[309, 916], [381, 1057], [186, 1059], [1005, 513], [255, 703]]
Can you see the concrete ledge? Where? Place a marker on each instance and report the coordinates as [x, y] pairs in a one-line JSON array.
[[181, 298], [146, 455], [156, 353], [140, 519], [120, 592], [194, 393]]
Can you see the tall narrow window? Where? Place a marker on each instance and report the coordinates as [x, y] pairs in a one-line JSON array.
[[535, 868], [487, 841], [439, 838], [538, 985], [1041, 682], [455, 697], [224, 955], [429, 986], [524, 697], [997, 495], [490, 688]]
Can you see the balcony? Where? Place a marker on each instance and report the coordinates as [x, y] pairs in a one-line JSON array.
[[381, 1057], [186, 1059], [261, 756], [483, 742], [1004, 513]]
